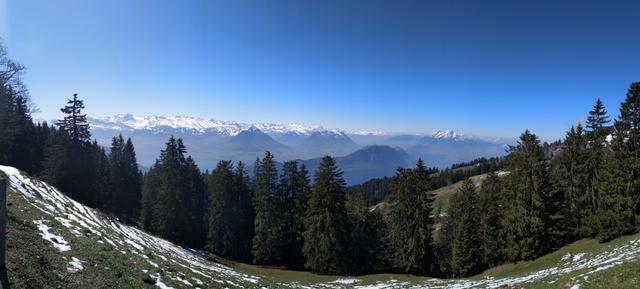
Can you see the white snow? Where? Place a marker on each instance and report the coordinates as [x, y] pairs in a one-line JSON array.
[[159, 283], [75, 265], [56, 240], [346, 281]]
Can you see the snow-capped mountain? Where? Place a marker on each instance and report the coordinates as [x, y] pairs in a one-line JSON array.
[[198, 125], [210, 140]]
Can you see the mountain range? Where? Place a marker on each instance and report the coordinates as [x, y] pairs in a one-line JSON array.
[[361, 155]]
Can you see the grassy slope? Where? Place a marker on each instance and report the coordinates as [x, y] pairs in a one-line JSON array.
[[34, 263]]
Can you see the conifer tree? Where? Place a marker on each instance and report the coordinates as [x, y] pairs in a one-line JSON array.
[[325, 223], [16, 126], [173, 198], [466, 257], [525, 221], [125, 180], [230, 220], [572, 203], [596, 134], [367, 247], [269, 245], [293, 189], [223, 212], [410, 222], [491, 205], [620, 185], [242, 186], [75, 123]]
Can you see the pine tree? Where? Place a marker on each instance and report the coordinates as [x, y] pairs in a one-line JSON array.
[[466, 257], [620, 185], [224, 233], [410, 222], [16, 126], [268, 239], [571, 202], [174, 197], [367, 247], [490, 213], [150, 187], [325, 222], [596, 134], [75, 123], [242, 186], [132, 177], [526, 219], [292, 191]]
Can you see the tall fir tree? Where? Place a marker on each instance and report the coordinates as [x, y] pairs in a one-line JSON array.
[[572, 203], [466, 257], [75, 123], [410, 222], [293, 189], [597, 130], [620, 187], [174, 197], [242, 186], [125, 180], [526, 219], [269, 244], [491, 205], [225, 214], [367, 250], [325, 222], [16, 126]]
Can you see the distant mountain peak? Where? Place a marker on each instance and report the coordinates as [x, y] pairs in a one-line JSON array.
[[199, 125], [448, 134]]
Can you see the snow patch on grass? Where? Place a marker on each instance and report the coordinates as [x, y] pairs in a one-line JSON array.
[[56, 240], [75, 265]]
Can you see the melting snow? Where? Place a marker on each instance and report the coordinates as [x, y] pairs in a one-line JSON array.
[[56, 240], [75, 265]]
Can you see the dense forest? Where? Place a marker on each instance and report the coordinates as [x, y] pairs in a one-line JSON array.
[[588, 188]]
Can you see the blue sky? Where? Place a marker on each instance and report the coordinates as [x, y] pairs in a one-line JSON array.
[[485, 67]]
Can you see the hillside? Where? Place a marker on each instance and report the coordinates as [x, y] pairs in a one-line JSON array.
[[374, 161], [55, 242]]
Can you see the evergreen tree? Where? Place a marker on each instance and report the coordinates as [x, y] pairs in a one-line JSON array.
[[466, 257], [410, 222], [367, 246], [491, 205], [325, 222], [620, 185], [133, 180], [269, 245], [125, 180], [596, 134], [17, 141], [173, 199], [225, 227], [571, 202], [75, 123], [525, 221], [242, 186], [150, 187], [293, 190]]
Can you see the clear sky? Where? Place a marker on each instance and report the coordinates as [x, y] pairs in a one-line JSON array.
[[485, 67]]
